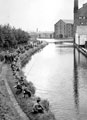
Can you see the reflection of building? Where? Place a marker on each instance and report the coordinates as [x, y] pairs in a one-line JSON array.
[[63, 29], [81, 61], [46, 35], [80, 20], [76, 84], [80, 76]]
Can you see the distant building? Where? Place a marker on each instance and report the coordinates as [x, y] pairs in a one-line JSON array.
[[80, 22], [33, 35], [46, 35], [63, 29]]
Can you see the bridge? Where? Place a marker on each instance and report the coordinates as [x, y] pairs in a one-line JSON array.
[[60, 41], [63, 42], [57, 41]]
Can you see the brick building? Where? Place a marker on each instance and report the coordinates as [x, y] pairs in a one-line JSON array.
[[80, 22], [63, 29], [80, 15]]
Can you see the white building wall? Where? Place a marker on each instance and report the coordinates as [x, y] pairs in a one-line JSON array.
[[80, 39], [83, 38]]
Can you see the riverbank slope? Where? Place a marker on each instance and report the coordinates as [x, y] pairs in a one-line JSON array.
[[26, 103]]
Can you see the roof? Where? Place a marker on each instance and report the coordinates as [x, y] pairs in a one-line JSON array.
[[83, 10], [68, 21], [85, 5], [81, 30]]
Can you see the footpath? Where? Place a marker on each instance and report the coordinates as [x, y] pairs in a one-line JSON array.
[[9, 108]]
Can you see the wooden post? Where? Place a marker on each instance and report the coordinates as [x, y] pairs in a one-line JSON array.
[[79, 40]]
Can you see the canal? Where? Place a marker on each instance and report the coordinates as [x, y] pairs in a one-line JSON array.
[[60, 75]]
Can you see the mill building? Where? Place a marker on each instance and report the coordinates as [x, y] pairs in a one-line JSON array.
[[80, 23], [63, 29]]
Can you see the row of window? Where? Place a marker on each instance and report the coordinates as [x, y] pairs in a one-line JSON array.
[[69, 35], [63, 28], [83, 23], [82, 17], [69, 32]]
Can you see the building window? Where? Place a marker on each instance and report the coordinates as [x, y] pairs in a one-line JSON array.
[[80, 17], [84, 17], [81, 23]]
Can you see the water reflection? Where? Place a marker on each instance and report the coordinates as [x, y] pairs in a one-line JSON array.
[[76, 83], [60, 75], [80, 85]]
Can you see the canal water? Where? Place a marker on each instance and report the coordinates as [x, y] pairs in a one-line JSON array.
[[60, 75]]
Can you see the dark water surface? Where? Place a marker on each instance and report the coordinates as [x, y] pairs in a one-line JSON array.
[[60, 75]]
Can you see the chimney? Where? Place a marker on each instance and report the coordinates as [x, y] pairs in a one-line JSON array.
[[75, 6]]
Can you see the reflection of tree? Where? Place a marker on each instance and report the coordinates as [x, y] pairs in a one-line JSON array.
[[76, 93]]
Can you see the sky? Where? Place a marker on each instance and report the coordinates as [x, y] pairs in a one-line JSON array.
[[31, 15]]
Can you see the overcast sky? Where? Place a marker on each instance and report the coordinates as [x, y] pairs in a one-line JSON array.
[[32, 14]]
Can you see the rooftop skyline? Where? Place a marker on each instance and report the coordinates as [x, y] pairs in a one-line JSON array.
[[32, 14]]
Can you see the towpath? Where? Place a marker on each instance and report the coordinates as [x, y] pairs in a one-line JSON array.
[[9, 108]]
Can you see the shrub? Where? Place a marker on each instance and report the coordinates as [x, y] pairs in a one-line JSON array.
[[45, 104], [11, 37], [31, 87], [1, 57]]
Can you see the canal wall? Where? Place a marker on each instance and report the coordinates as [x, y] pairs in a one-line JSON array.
[[81, 49]]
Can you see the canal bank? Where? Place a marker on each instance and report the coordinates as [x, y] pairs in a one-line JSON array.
[[9, 108], [26, 103]]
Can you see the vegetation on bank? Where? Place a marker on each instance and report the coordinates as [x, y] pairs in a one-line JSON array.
[[11, 37], [27, 103], [23, 91]]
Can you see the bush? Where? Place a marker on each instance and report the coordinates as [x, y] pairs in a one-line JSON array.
[[11, 37], [1, 58], [31, 87], [45, 104]]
